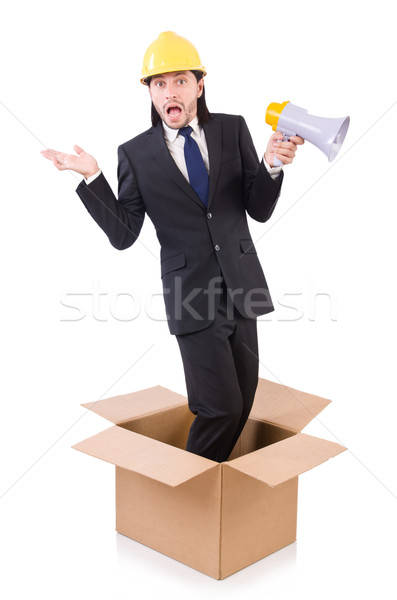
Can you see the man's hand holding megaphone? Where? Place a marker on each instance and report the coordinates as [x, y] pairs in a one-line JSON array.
[[283, 151]]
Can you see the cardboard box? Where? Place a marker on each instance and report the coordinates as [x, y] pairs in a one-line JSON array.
[[215, 517]]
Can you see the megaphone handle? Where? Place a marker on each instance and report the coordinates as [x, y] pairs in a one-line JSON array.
[[277, 162]]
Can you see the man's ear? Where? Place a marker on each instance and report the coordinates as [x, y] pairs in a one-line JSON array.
[[200, 87]]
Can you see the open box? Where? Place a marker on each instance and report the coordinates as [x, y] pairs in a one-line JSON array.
[[215, 517]]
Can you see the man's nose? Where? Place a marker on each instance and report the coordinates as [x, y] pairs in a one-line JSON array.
[[171, 91]]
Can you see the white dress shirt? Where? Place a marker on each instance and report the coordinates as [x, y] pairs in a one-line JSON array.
[[175, 144]]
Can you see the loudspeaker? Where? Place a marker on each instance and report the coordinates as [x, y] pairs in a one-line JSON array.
[[327, 134]]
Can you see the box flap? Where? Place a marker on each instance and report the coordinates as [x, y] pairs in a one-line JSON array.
[[284, 460], [120, 409], [285, 406], [143, 455]]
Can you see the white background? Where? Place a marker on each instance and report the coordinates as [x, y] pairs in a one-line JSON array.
[[70, 75]]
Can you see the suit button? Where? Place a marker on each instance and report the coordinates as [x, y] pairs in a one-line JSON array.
[[217, 248], [209, 215]]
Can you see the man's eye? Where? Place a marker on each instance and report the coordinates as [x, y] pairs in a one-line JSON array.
[[181, 81], [159, 84]]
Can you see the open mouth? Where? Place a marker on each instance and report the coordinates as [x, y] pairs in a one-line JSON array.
[[174, 111]]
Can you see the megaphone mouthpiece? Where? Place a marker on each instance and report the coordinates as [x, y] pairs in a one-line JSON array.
[[273, 113]]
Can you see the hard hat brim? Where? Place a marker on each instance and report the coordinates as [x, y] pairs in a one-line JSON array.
[[172, 69]]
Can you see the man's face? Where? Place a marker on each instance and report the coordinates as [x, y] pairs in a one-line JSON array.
[[174, 96]]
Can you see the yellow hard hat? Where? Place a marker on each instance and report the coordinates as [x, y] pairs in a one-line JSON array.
[[170, 52]]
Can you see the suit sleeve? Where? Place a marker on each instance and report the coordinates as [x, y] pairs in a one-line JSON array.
[[121, 219], [261, 191]]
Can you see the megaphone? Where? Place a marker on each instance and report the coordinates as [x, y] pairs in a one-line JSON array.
[[327, 134]]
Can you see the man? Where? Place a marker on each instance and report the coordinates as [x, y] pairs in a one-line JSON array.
[[196, 176]]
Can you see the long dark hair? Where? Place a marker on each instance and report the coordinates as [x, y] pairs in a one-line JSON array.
[[203, 114]]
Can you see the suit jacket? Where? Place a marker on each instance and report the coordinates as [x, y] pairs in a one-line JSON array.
[[199, 247]]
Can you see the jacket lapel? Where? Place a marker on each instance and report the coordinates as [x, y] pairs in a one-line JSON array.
[[213, 136], [163, 158]]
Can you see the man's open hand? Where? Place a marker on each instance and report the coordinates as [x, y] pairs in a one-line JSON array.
[[284, 151], [81, 162]]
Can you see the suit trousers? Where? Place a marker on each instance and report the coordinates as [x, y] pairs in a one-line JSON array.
[[221, 371]]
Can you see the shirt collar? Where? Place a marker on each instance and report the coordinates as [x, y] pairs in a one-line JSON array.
[[171, 134]]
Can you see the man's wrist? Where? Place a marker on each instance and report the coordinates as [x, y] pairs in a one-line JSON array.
[[274, 172], [90, 177]]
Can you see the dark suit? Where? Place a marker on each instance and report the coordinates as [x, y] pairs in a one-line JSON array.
[[203, 251]]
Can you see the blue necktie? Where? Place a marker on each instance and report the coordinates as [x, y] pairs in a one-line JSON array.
[[198, 176]]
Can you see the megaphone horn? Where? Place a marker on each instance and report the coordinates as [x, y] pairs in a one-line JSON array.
[[327, 134]]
